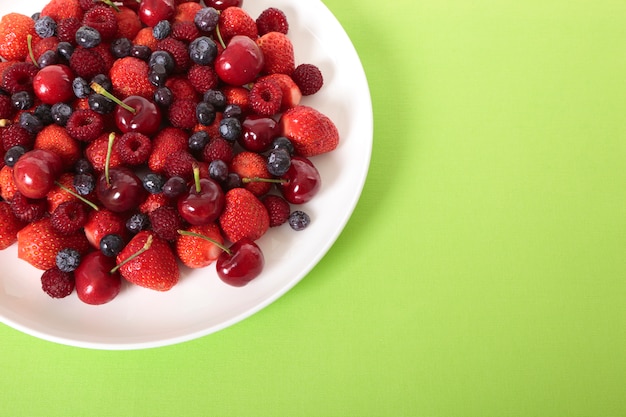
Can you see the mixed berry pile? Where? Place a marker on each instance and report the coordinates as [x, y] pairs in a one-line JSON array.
[[141, 136]]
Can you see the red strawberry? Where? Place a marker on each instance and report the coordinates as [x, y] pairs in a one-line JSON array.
[[129, 77], [182, 88], [56, 139], [7, 183], [155, 268], [9, 226], [102, 18], [96, 153], [272, 20], [236, 21], [56, 196], [153, 202], [197, 252], [145, 37], [311, 132], [244, 215], [237, 95], [186, 12], [38, 243], [128, 23], [63, 9], [202, 77], [291, 92], [278, 209], [251, 166], [278, 53], [103, 222], [166, 142], [14, 30]]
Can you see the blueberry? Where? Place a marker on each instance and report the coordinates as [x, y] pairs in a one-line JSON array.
[[205, 113], [202, 50], [83, 166], [60, 113], [13, 154], [65, 49], [174, 187], [233, 110], [283, 142], [121, 47], [81, 87], [161, 30], [137, 222], [142, 52], [84, 183], [49, 57], [206, 19], [68, 259], [216, 98], [45, 27], [22, 100], [111, 245], [299, 220], [157, 75], [44, 113], [30, 122], [230, 128], [278, 162], [88, 37], [163, 96], [100, 103], [104, 81], [164, 58], [218, 170], [233, 180], [198, 140], [153, 183]]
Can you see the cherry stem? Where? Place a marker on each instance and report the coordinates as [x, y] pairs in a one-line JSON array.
[[108, 158], [4, 122], [219, 36], [196, 177], [80, 197], [213, 241], [145, 247], [102, 91], [261, 179], [29, 41]]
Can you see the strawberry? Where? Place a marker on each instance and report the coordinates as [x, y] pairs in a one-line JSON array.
[[96, 153], [14, 31], [237, 95], [9, 226], [236, 21], [128, 23], [56, 139], [38, 243], [145, 37], [129, 77], [251, 166], [56, 196], [278, 53], [291, 92], [166, 142], [186, 12], [63, 9], [7, 183], [103, 222], [311, 132], [244, 215], [197, 252], [155, 268], [182, 88], [153, 202]]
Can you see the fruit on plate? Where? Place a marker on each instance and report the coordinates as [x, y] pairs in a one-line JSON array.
[[145, 138]]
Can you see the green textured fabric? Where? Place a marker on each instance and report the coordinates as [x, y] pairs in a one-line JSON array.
[[482, 273]]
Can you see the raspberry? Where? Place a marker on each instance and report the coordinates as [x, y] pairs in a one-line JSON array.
[[102, 18], [56, 283], [85, 125], [179, 52], [7, 111], [180, 164], [87, 4], [184, 31], [308, 78], [16, 135], [202, 77], [87, 62], [182, 114], [69, 217], [27, 209], [278, 209], [19, 77], [266, 98], [134, 148], [218, 148], [272, 20], [166, 222], [67, 28]]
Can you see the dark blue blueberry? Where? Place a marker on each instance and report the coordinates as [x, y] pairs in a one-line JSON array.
[[137, 222], [65, 49], [283, 142], [61, 112], [202, 50], [88, 37], [104, 81], [299, 220], [44, 113], [198, 140], [164, 58], [81, 87], [111, 245], [157, 75], [68, 259], [13, 154], [174, 187], [230, 129], [161, 30], [206, 19], [83, 166], [100, 104], [22, 100], [218, 170], [49, 57], [30, 122], [45, 27], [233, 110], [84, 183], [153, 183], [163, 96], [142, 52], [278, 162], [121, 47], [233, 180], [216, 98], [205, 113]]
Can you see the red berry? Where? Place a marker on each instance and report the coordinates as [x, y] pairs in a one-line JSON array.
[[272, 20], [134, 148], [69, 217], [166, 222], [309, 78], [56, 283], [102, 18], [266, 98], [85, 125], [278, 209]]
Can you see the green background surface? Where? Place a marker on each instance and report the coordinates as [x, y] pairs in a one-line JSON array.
[[483, 270]]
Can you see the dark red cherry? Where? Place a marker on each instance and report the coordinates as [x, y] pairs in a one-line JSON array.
[[152, 12], [146, 119], [122, 192], [204, 206], [242, 263], [258, 132], [53, 84], [35, 172], [223, 4], [95, 284], [240, 62], [303, 181]]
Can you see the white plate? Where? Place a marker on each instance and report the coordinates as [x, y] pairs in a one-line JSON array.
[[201, 304]]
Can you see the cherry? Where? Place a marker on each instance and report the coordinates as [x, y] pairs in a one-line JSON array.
[[146, 117], [152, 12], [242, 263], [258, 132], [95, 283], [36, 171], [204, 202], [240, 62], [303, 181], [223, 4], [53, 84], [120, 190]]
